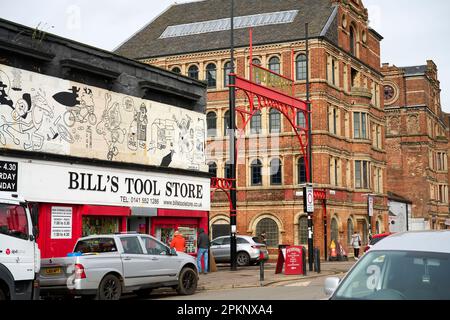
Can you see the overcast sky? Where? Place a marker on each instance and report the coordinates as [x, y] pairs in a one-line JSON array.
[[413, 30]]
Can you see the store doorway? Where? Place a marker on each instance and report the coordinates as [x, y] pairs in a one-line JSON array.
[[140, 225]]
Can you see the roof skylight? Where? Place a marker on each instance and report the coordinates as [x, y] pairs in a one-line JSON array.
[[242, 22]]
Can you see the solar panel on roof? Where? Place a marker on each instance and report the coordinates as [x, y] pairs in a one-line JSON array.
[[242, 22]]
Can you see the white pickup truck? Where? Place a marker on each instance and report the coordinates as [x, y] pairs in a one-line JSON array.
[[106, 266]]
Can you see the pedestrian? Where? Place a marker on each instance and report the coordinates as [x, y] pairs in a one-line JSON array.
[[263, 237], [203, 248], [178, 242], [356, 243]]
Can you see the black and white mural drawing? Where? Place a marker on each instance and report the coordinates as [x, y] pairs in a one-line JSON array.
[[46, 114]]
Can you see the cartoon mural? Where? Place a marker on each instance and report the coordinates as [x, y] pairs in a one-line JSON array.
[[46, 114]]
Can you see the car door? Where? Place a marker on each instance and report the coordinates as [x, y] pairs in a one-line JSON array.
[[225, 249], [216, 248], [161, 266], [133, 260]]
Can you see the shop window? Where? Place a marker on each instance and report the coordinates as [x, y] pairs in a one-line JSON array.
[[276, 172], [193, 72], [256, 123], [211, 120], [211, 75], [303, 230], [300, 64], [256, 173], [274, 64], [301, 171], [274, 121], [131, 245], [270, 227], [93, 225]]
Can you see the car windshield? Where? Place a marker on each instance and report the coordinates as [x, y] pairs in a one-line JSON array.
[[398, 275], [13, 221]]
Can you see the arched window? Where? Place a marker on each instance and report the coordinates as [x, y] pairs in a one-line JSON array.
[[301, 171], [256, 123], [378, 227], [256, 71], [176, 70], [226, 73], [365, 232], [274, 64], [334, 230], [211, 121], [303, 230], [256, 173], [227, 173], [350, 231], [300, 65], [352, 40], [193, 72], [270, 227], [213, 168], [226, 122], [274, 121], [211, 75], [276, 173]]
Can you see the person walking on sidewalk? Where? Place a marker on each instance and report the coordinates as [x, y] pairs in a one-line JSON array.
[[356, 243], [203, 248], [178, 242]]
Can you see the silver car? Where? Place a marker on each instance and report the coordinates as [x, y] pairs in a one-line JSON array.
[[406, 266], [105, 266], [249, 250]]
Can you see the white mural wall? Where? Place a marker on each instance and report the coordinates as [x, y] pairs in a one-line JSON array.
[[51, 115]]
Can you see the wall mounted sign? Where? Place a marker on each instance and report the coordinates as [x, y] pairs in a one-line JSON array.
[[61, 183], [50, 115], [8, 176], [61, 226]]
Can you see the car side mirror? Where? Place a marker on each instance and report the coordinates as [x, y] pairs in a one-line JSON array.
[[331, 284], [173, 252]]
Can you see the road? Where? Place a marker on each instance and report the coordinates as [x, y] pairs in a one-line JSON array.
[[311, 289]]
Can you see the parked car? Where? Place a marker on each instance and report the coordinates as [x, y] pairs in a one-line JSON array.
[[248, 250], [375, 239], [404, 266], [106, 266]]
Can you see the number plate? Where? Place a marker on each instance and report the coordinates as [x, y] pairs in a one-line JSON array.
[[53, 271]]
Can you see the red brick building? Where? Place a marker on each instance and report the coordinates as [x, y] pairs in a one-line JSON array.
[[417, 141], [349, 157]]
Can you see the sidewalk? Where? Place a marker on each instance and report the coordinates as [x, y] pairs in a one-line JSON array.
[[248, 277]]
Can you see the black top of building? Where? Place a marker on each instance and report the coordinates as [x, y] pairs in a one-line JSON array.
[[415, 70], [146, 43]]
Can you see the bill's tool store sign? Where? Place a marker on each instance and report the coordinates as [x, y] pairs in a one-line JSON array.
[[8, 176]]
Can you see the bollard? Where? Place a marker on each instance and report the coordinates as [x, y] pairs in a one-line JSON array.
[[317, 260], [261, 268]]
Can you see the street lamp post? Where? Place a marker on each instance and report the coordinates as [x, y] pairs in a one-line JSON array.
[[232, 134]]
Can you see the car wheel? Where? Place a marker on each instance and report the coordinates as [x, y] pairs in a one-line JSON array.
[[243, 259], [143, 293], [110, 288], [2, 295], [187, 283]]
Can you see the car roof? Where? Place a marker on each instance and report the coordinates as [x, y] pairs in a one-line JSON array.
[[112, 235], [237, 236], [423, 241]]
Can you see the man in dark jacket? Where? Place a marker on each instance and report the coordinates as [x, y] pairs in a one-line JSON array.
[[203, 248]]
